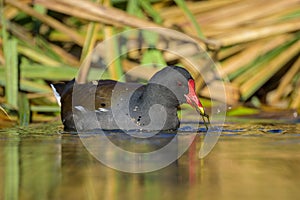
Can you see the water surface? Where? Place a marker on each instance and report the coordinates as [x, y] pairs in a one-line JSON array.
[[257, 161]]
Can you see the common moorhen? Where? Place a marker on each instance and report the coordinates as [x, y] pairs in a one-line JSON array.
[[109, 104]]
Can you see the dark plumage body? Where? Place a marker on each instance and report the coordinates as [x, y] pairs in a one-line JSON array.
[[108, 104]]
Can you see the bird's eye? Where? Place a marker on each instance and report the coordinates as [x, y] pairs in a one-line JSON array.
[[179, 83]]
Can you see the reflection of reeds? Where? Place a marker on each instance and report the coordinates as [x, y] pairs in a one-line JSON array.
[[257, 45]]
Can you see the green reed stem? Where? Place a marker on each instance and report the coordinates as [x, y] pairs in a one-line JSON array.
[[189, 14], [24, 109], [11, 72]]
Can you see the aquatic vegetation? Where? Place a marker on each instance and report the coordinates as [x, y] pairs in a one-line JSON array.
[[255, 45]]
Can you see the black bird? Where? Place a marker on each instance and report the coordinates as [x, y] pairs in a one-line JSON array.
[[111, 105]]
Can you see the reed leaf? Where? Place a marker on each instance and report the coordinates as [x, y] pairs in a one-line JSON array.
[[48, 20], [133, 8], [259, 63], [241, 110], [146, 5], [189, 14], [11, 72], [113, 54], [46, 72], [295, 103], [173, 13], [108, 15], [238, 63], [45, 108], [90, 39], [231, 9], [286, 80], [144, 73], [151, 56], [19, 32], [241, 36], [230, 51], [39, 44], [269, 69], [251, 13], [37, 56], [33, 86], [25, 85], [65, 57], [24, 109]]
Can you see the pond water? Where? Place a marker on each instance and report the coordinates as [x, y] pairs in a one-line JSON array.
[[254, 161]]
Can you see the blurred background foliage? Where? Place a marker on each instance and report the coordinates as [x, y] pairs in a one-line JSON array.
[[254, 43]]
